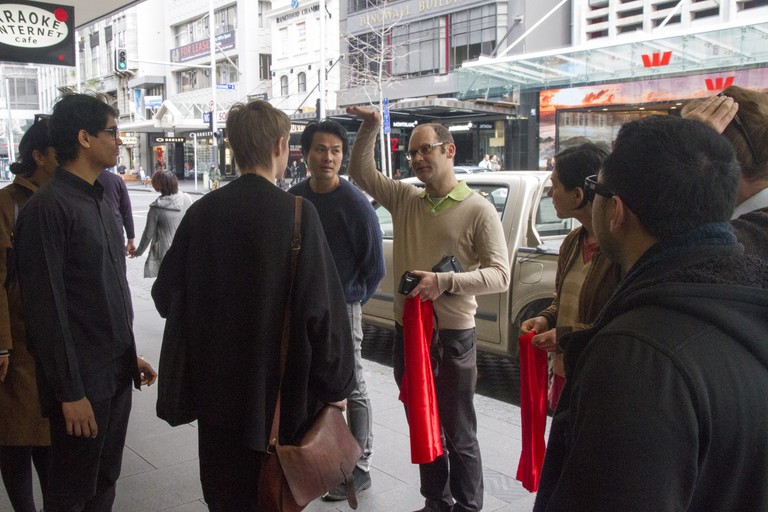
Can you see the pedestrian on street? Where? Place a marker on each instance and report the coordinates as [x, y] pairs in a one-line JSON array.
[[165, 214], [354, 236], [24, 434], [225, 283], [444, 218], [116, 193], [77, 309]]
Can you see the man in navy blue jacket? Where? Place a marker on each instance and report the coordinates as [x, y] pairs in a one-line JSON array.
[[354, 236]]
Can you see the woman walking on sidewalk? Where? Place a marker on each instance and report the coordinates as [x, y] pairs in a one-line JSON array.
[[165, 214]]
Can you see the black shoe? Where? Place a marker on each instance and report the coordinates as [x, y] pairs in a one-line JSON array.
[[362, 481]]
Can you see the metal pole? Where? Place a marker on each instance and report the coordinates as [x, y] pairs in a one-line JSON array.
[[194, 142], [321, 88], [212, 43], [9, 138]]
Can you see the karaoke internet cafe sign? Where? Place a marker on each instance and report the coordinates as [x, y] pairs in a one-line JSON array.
[[37, 32]]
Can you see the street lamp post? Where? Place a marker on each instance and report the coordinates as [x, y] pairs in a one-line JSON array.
[[214, 116]]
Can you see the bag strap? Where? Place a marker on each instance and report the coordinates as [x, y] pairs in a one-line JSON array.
[[295, 248]]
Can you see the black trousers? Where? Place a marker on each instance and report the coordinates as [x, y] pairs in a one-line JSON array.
[[228, 470], [458, 473], [84, 471]]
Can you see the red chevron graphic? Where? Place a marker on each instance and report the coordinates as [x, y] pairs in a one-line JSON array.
[[656, 59], [719, 83]]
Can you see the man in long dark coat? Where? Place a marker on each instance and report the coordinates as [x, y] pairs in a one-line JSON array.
[[229, 265]]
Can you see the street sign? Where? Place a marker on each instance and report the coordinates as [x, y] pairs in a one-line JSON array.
[[207, 117], [385, 117], [229, 87]]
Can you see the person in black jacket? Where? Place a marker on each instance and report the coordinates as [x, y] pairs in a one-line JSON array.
[[664, 405], [229, 268], [77, 309]]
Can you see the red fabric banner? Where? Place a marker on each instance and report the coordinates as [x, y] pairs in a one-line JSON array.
[[533, 411], [417, 390]]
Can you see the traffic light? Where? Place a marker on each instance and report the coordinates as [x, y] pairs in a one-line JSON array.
[[121, 60]]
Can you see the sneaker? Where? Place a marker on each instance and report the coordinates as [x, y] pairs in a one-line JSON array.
[[362, 481]]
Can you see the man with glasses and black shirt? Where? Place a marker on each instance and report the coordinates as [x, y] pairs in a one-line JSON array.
[[664, 405], [77, 309], [443, 218], [747, 131]]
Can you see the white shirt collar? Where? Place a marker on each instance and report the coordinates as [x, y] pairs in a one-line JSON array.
[[756, 202]]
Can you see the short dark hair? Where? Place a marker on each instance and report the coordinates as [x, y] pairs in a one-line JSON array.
[[72, 113], [575, 163], [753, 114], [35, 139], [332, 127], [253, 128], [675, 174], [165, 182]]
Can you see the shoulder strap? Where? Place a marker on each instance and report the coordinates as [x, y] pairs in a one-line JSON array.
[[295, 248]]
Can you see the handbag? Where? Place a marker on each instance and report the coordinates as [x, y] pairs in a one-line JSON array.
[[292, 476]]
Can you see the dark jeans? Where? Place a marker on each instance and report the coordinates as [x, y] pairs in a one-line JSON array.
[[457, 474], [228, 470], [84, 471]]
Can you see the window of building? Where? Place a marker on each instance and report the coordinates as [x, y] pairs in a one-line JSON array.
[[282, 37], [195, 30], [302, 80], [264, 8], [23, 93], [417, 49], [226, 73], [226, 19], [361, 5], [284, 85], [364, 58], [193, 80], [265, 66], [301, 36], [472, 33]]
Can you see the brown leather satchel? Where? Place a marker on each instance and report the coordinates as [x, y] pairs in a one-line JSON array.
[[292, 476]]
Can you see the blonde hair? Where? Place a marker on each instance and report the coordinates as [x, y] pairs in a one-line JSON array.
[[253, 129]]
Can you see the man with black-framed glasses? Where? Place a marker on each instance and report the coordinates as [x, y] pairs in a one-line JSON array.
[[77, 309], [741, 115], [664, 404], [445, 218]]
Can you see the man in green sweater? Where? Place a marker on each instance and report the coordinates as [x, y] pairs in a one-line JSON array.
[[443, 218]]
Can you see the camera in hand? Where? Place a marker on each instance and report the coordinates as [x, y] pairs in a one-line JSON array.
[[448, 264], [407, 283]]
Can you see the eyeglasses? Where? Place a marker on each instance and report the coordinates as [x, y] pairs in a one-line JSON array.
[[42, 117], [422, 150], [743, 131], [114, 131], [592, 187]]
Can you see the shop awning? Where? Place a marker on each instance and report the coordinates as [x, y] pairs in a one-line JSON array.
[[646, 56], [444, 110]]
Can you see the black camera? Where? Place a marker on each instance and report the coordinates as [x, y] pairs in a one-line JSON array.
[[407, 283], [448, 264]]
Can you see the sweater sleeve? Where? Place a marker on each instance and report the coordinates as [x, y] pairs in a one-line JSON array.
[[362, 168], [372, 252], [150, 230]]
